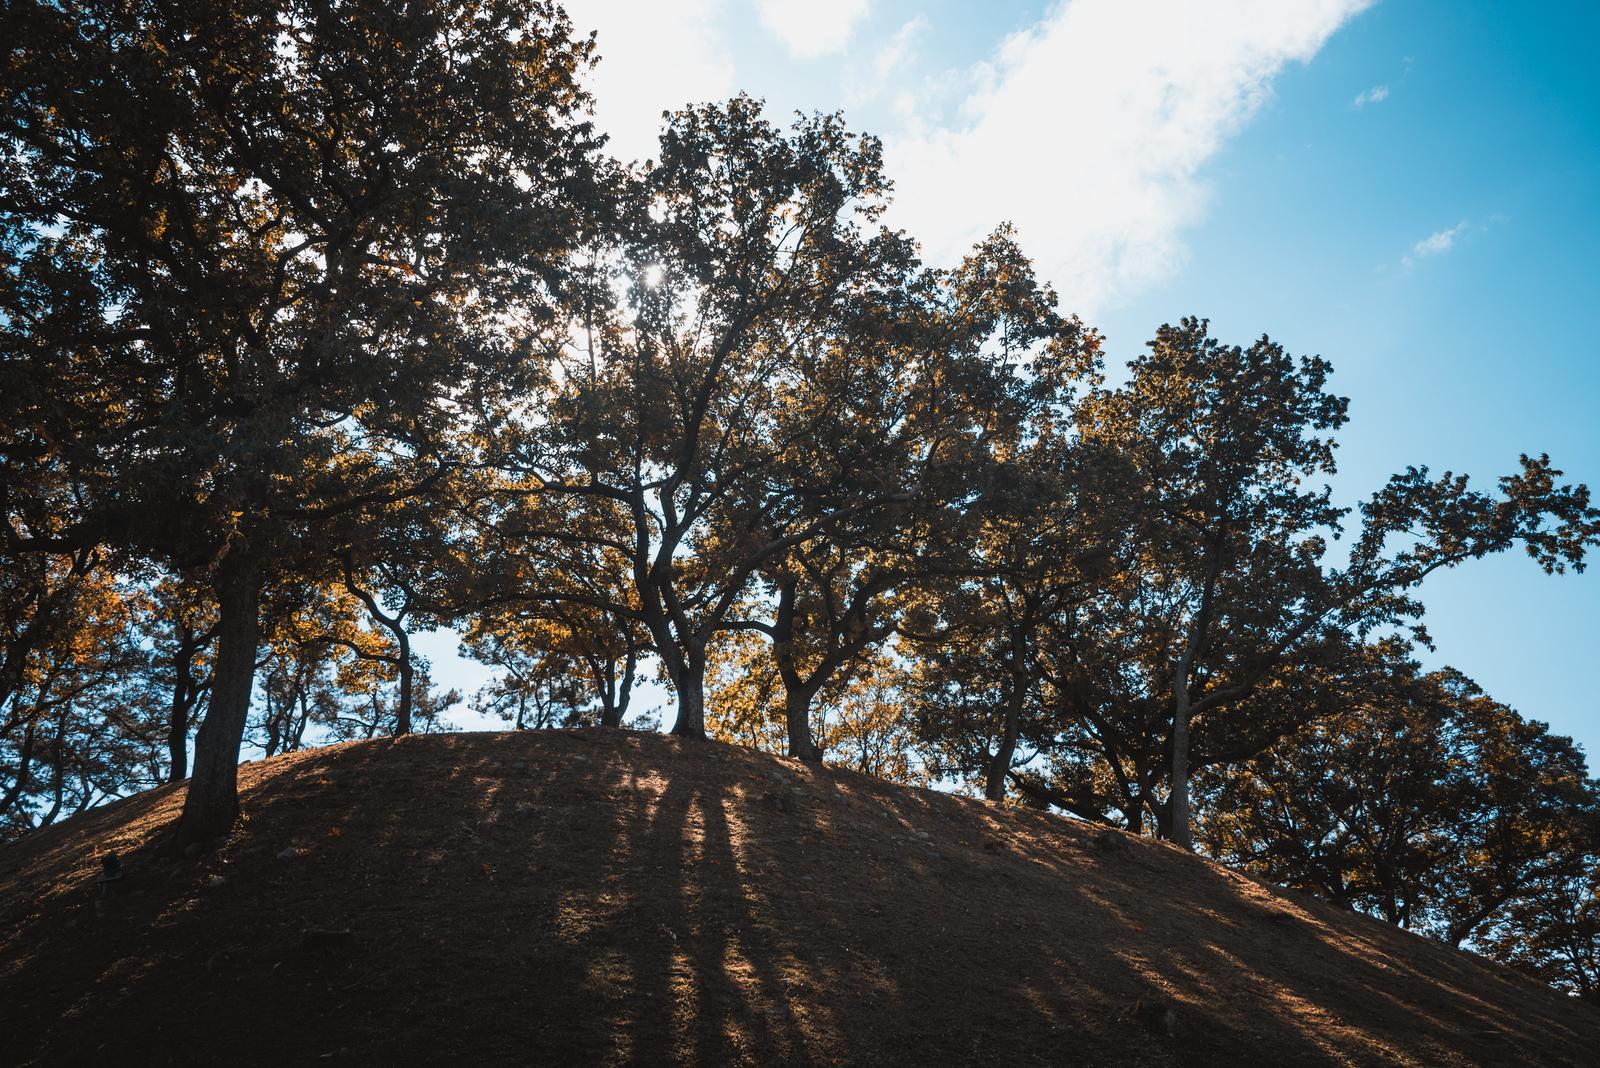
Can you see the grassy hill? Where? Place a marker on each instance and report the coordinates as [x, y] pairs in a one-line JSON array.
[[609, 897]]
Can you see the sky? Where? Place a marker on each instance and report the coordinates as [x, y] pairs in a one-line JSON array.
[[1409, 188]]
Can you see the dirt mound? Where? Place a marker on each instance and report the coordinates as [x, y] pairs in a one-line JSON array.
[[608, 897]]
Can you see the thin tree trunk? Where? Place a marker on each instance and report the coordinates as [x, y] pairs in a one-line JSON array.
[[1178, 830], [24, 764], [630, 672], [617, 691], [178, 735], [275, 724], [212, 803], [87, 799], [1163, 815], [299, 733], [402, 717], [1178, 803], [994, 787], [1459, 931], [59, 776], [396, 625], [183, 700]]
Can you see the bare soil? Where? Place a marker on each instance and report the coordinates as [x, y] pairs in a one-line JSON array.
[[607, 897]]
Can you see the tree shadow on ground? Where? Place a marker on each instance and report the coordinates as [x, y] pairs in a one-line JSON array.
[[590, 897]]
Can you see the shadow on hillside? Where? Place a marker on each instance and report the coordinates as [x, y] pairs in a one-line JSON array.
[[777, 918], [580, 897]]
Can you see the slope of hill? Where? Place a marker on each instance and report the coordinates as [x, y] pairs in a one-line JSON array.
[[609, 897]]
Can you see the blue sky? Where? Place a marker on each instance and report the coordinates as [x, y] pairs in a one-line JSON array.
[[1410, 188]]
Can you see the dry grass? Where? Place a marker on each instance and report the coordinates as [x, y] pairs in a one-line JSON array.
[[588, 897]]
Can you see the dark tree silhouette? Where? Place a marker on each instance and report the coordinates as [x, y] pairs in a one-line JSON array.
[[1227, 443], [259, 254]]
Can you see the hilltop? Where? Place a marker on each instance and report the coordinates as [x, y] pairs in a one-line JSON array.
[[613, 897]]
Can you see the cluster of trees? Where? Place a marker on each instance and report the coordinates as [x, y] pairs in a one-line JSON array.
[[324, 325], [1416, 797], [108, 674]]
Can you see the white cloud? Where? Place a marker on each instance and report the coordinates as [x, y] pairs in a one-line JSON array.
[[1090, 131], [655, 56], [1376, 95], [811, 28], [889, 63], [1435, 244]]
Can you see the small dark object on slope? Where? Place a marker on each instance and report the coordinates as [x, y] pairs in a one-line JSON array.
[[318, 938], [110, 880], [1110, 842], [1156, 1016]]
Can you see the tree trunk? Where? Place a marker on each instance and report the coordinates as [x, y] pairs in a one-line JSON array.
[[797, 715], [59, 776], [212, 803], [178, 737], [994, 786], [797, 696], [24, 766], [402, 717], [617, 691], [1178, 797], [1163, 817], [395, 625], [275, 725], [1178, 802], [690, 684], [182, 701], [304, 718], [1460, 930]]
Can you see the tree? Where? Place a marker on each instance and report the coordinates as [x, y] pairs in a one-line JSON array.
[[827, 611], [68, 736], [859, 718], [1228, 442], [313, 635], [546, 593], [745, 252], [543, 659], [1417, 798], [39, 604], [181, 629], [747, 701], [1532, 817], [251, 244], [867, 728], [1037, 546], [983, 362], [370, 711], [1106, 729], [1555, 933], [535, 690]]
